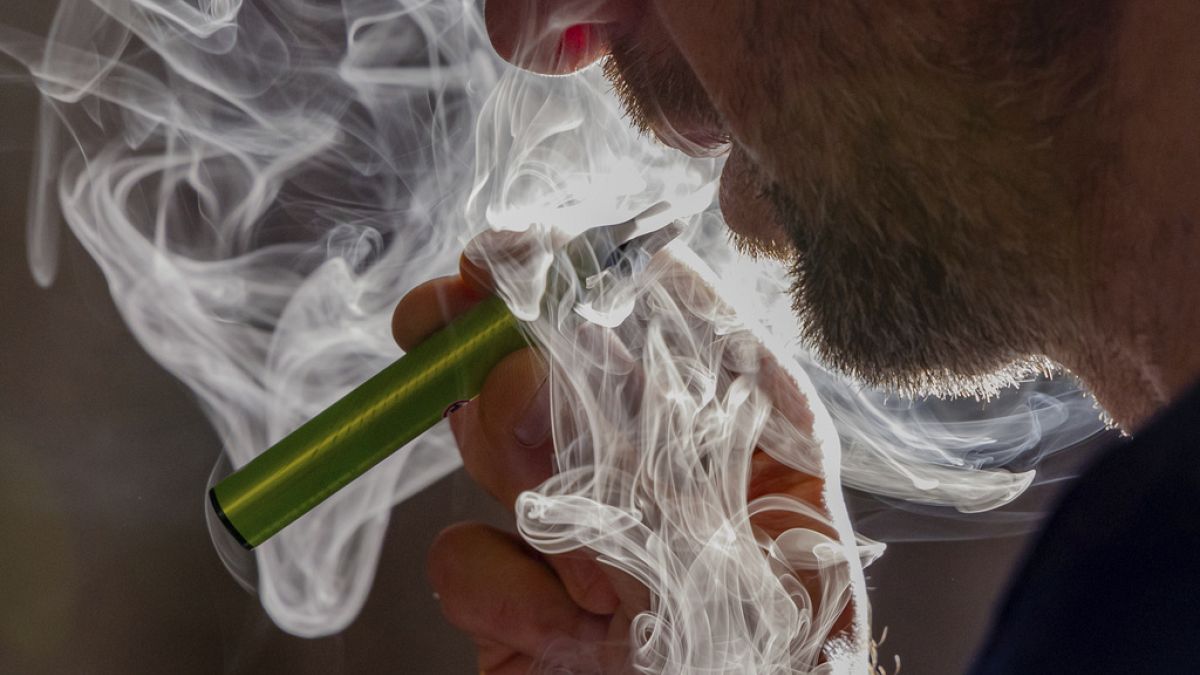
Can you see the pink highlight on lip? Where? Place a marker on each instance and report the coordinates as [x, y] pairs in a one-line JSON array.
[[576, 45], [576, 38]]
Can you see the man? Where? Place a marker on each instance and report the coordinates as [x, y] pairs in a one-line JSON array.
[[962, 188]]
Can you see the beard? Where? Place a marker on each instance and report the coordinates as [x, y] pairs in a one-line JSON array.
[[940, 310], [934, 228], [929, 184]]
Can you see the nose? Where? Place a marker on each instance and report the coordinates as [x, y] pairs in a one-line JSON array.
[[554, 37]]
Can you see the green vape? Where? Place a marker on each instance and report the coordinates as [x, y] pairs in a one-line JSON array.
[[408, 397]]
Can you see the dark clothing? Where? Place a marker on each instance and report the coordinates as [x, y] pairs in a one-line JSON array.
[[1112, 584]]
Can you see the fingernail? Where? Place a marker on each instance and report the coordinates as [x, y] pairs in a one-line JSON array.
[[533, 425]]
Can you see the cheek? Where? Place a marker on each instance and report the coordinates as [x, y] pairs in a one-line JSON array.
[[707, 35]]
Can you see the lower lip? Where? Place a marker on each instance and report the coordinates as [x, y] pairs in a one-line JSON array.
[[706, 143], [579, 46]]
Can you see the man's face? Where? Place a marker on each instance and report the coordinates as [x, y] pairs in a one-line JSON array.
[[922, 166]]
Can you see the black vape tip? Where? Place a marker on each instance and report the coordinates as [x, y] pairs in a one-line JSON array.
[[216, 504]]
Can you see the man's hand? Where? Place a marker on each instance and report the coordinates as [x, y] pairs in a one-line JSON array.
[[514, 602]]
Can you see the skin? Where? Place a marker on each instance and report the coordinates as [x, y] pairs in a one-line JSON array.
[[512, 601], [965, 190]]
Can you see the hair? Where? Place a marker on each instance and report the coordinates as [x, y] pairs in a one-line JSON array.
[[929, 166]]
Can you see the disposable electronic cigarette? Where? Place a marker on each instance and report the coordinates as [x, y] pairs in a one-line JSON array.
[[357, 432], [408, 397]]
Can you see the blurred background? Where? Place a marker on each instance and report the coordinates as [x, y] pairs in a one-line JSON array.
[[105, 561]]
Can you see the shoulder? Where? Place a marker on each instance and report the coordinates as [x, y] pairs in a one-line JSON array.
[[1110, 584]]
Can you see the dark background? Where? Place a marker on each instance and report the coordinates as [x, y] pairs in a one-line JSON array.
[[105, 562]]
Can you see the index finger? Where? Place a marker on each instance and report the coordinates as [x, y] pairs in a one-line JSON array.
[[435, 303]]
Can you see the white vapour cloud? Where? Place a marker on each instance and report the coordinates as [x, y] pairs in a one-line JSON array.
[[260, 181]]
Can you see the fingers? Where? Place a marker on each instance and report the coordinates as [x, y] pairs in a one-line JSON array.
[[497, 590], [586, 581], [769, 477], [435, 303], [475, 276], [504, 434], [505, 440], [429, 307], [786, 398]]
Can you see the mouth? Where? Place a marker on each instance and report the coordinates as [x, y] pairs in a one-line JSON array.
[[699, 131], [687, 121], [663, 97], [693, 137], [748, 210]]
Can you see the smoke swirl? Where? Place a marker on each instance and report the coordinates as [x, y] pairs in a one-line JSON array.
[[260, 181]]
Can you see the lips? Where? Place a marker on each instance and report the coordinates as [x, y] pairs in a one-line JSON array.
[[685, 118], [696, 140], [669, 101], [748, 211]]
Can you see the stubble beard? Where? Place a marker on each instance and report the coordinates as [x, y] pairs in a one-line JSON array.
[[960, 316], [935, 232], [930, 213]]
